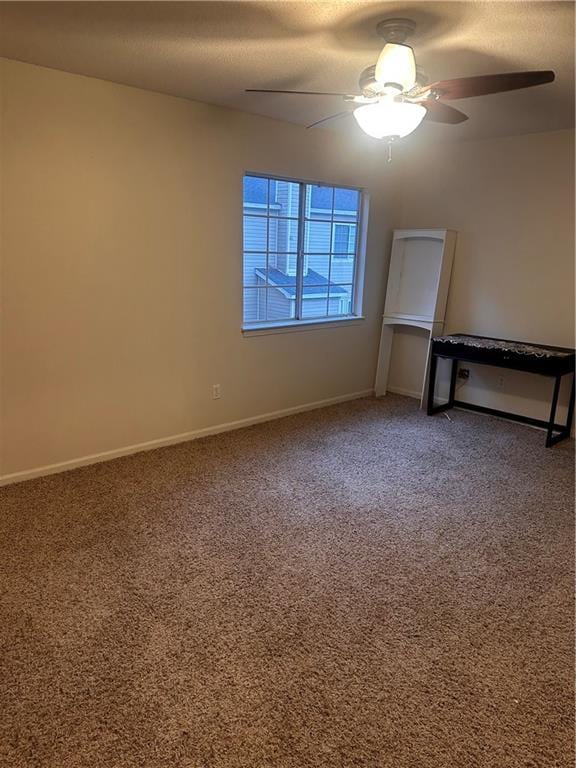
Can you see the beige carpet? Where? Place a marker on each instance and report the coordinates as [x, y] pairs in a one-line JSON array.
[[358, 586]]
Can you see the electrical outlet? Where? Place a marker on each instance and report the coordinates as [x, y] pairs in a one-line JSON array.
[[216, 394], [463, 373], [500, 381]]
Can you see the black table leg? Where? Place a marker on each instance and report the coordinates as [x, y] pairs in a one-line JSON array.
[[453, 374], [561, 432], [431, 409], [431, 384], [571, 405], [550, 431]]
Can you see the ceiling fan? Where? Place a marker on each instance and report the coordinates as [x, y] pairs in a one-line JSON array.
[[395, 97]]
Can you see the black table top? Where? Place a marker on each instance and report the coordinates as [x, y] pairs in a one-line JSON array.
[[504, 345], [520, 355]]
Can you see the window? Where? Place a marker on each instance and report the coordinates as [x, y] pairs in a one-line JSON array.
[[344, 243], [301, 251]]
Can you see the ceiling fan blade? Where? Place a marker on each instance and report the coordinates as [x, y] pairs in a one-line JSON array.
[[438, 112], [298, 93], [337, 116], [482, 85]]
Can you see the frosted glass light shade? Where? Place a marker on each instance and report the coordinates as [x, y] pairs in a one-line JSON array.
[[396, 65], [389, 118]]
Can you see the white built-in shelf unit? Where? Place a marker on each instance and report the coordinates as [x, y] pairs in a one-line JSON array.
[[417, 291]]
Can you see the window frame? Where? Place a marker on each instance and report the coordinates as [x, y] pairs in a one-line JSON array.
[[359, 255]]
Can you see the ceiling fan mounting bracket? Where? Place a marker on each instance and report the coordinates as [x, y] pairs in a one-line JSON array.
[[396, 30]]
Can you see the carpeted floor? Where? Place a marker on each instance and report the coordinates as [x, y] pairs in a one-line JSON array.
[[357, 586]]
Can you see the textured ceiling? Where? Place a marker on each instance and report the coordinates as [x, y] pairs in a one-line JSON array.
[[211, 51]]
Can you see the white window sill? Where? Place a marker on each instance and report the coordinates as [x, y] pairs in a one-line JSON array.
[[287, 326]]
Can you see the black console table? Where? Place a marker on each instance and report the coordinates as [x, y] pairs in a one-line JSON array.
[[554, 362]]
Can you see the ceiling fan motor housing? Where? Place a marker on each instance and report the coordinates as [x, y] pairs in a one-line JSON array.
[[395, 30], [370, 88]]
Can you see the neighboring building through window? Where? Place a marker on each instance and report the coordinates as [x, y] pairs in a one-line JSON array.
[[344, 243], [300, 251]]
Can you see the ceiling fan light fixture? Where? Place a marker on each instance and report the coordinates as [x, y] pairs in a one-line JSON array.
[[389, 119], [396, 66]]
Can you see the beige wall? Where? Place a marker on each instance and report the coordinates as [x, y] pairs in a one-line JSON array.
[[120, 235], [121, 267], [512, 202]]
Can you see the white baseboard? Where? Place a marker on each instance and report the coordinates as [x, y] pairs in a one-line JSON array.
[[95, 458], [406, 392]]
